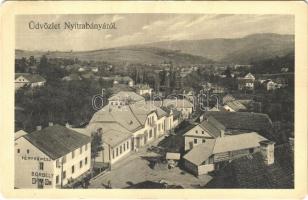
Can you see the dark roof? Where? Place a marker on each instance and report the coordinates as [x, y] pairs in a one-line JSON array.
[[33, 78], [258, 122], [212, 126], [56, 141], [251, 172]]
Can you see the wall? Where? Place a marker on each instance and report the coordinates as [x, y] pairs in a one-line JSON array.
[[190, 167], [67, 166], [20, 82], [204, 169], [27, 170], [114, 157], [199, 136]]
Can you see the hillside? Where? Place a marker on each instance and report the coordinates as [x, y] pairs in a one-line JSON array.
[[124, 55], [239, 50]]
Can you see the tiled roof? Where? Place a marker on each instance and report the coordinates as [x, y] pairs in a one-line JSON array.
[[251, 172], [57, 141], [211, 128], [227, 98], [126, 96], [202, 152], [258, 122], [19, 134], [33, 78], [236, 105], [129, 117]]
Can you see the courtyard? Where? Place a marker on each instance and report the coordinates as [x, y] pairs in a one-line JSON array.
[[136, 168]]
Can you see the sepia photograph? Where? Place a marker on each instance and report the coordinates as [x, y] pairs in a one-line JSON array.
[[154, 101]]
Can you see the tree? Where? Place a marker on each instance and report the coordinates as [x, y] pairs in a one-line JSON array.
[[96, 145]]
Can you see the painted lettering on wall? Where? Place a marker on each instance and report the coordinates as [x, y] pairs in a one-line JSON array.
[[35, 158]]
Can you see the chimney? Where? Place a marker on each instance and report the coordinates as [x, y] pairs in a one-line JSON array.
[[291, 143], [267, 150], [67, 125], [201, 118], [50, 124], [222, 133], [38, 128]]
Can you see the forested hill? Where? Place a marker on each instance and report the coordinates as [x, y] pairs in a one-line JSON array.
[[123, 55]]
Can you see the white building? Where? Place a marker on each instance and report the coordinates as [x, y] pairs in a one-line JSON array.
[[200, 133], [50, 157], [127, 128], [206, 157], [125, 98], [26, 79], [182, 105], [143, 89]]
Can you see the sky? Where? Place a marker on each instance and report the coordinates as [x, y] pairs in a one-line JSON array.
[[134, 29]]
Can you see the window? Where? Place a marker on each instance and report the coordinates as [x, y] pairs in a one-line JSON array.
[[57, 179], [117, 152], [73, 169], [64, 159], [124, 147], [127, 145], [81, 150], [112, 153], [203, 140], [18, 150], [120, 149], [196, 131], [86, 160], [73, 154], [41, 166], [150, 133], [28, 151], [64, 175], [80, 164], [195, 141], [202, 132]]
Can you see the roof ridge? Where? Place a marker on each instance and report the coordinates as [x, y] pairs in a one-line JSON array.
[[135, 115]]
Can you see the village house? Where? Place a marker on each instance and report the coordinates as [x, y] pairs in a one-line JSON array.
[[183, 105], [234, 106], [26, 79], [246, 82], [270, 85], [123, 80], [125, 98], [51, 157], [143, 89], [127, 128], [72, 77], [207, 157], [206, 130], [237, 122]]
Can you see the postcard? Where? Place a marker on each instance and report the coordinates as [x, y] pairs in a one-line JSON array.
[[154, 99]]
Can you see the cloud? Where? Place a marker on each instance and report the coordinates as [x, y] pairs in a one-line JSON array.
[[116, 18]]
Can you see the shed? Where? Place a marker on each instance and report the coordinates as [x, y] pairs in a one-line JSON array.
[[173, 156]]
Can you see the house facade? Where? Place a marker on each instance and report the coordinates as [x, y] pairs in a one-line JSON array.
[[49, 163], [206, 157], [128, 128], [246, 82], [26, 79]]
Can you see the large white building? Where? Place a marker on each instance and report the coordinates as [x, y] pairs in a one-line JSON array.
[[51, 157], [128, 127]]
